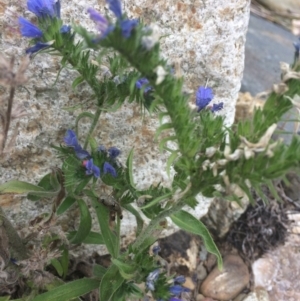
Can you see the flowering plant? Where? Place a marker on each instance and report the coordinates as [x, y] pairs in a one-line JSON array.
[[209, 157]]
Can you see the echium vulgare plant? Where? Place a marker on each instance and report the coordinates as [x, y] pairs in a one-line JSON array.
[[209, 157]]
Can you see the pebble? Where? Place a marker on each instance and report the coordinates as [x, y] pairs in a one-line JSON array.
[[258, 295], [226, 284], [189, 283], [240, 297], [264, 269], [201, 272]]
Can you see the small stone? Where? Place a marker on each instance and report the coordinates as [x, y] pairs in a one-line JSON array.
[[200, 297], [263, 270], [189, 283], [240, 297], [201, 272], [258, 295], [226, 284]]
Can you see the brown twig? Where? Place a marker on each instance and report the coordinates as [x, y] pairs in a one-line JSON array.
[[8, 117]]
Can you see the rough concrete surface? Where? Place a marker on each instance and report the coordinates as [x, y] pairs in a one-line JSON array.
[[208, 36]]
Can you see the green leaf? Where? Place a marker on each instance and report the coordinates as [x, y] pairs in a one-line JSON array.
[[64, 260], [156, 200], [58, 267], [20, 187], [147, 243], [110, 239], [129, 173], [69, 290], [139, 220], [93, 238], [85, 223], [189, 223], [65, 205], [99, 270], [110, 283], [164, 141], [44, 183], [126, 270], [78, 80], [163, 127], [170, 161], [6, 298]]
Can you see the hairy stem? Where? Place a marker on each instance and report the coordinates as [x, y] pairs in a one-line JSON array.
[[146, 232], [93, 125]]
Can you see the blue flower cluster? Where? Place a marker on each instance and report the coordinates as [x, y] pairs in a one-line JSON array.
[[176, 289], [142, 82], [43, 9], [203, 97], [70, 140], [104, 27]]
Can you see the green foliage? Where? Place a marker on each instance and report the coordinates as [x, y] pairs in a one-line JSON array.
[[203, 152]]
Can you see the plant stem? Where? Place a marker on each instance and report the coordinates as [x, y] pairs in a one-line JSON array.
[[146, 232], [93, 125]]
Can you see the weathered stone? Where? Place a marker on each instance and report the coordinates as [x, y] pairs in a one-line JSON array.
[[283, 6], [226, 284], [208, 38]]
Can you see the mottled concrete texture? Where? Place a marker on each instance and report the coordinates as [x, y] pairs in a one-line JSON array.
[[208, 36]]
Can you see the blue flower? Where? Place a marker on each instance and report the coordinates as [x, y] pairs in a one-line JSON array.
[[115, 7], [143, 82], [28, 29], [81, 153], [178, 289], [37, 47], [44, 8], [179, 279], [91, 169], [101, 22], [65, 29], [70, 139], [156, 250], [107, 168], [174, 299], [152, 277], [57, 8], [203, 97], [217, 107], [127, 26], [113, 152]]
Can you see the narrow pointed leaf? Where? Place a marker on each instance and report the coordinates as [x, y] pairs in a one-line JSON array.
[[69, 290], [163, 127], [65, 205], [139, 220], [110, 283], [85, 223], [129, 173], [58, 267], [170, 161], [189, 223], [109, 237], [157, 200]]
